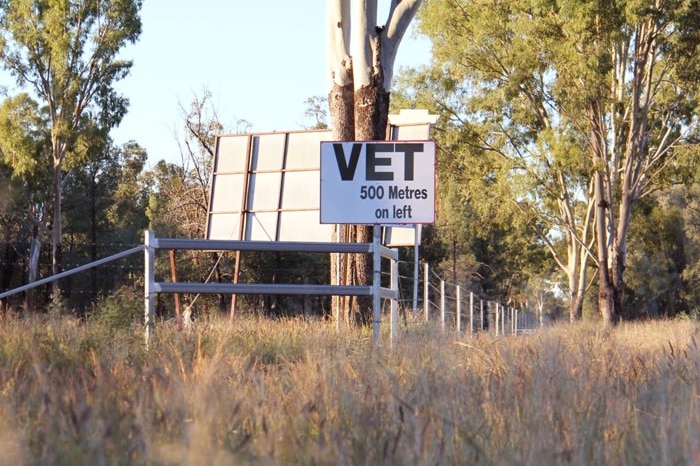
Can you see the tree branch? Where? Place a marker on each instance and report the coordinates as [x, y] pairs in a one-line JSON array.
[[401, 14]]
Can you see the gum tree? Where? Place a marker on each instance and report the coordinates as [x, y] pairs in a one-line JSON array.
[[583, 105], [66, 53], [361, 57], [24, 144], [638, 75]]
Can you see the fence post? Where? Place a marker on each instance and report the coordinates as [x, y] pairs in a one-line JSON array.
[[507, 315], [376, 282], [149, 279], [504, 311], [426, 291], [471, 312], [459, 310], [442, 303], [416, 268], [503, 320], [497, 318], [338, 300], [504, 315], [394, 302], [499, 325], [481, 309]]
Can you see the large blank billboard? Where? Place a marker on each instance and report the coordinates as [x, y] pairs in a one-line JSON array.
[[266, 186]]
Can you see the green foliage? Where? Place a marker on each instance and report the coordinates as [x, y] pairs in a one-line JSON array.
[[657, 257], [691, 315], [57, 306], [121, 310], [24, 184], [54, 136], [691, 246], [106, 199], [24, 136], [291, 268], [66, 54], [103, 201], [58, 32], [521, 86]]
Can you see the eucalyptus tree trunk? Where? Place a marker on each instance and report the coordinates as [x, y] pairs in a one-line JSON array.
[[580, 251], [607, 292], [633, 143], [39, 216], [56, 223], [34, 252], [341, 106], [361, 58]]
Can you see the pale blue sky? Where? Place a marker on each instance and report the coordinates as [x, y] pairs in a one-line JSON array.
[[260, 60]]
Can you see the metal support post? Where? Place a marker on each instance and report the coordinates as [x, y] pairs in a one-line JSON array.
[[442, 303], [481, 309], [148, 276], [498, 319], [471, 312], [395, 302], [376, 282], [459, 309], [503, 320], [426, 291], [416, 269]]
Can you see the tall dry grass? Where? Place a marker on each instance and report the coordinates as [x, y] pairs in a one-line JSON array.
[[271, 392]]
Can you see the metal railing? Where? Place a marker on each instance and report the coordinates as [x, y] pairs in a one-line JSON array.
[[376, 290], [151, 244], [70, 272]]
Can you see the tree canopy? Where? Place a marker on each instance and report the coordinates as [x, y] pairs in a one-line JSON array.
[[66, 53], [566, 107]]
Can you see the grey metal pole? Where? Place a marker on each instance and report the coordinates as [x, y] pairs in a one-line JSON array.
[[459, 309], [471, 312], [70, 272], [338, 299], [376, 282], [394, 302], [498, 319], [416, 270], [503, 320], [442, 303], [481, 308], [148, 276], [426, 291]]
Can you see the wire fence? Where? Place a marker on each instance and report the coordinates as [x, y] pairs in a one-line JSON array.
[[457, 308], [425, 298]]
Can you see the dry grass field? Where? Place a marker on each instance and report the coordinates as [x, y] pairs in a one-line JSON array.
[[294, 392]]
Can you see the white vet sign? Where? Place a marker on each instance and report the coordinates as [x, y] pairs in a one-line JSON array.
[[378, 182]]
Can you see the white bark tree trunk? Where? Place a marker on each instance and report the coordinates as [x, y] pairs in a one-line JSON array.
[[361, 58]]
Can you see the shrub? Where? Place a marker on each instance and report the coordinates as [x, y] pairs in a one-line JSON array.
[[120, 310]]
